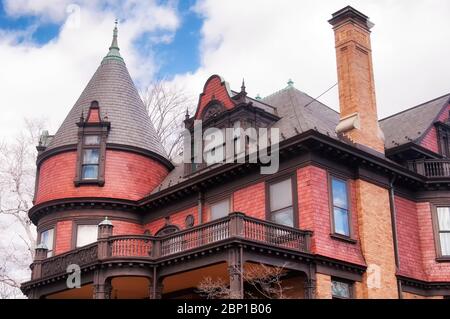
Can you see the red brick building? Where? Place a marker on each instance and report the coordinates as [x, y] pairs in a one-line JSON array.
[[359, 208]]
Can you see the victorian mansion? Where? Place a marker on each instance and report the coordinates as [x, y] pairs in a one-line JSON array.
[[359, 207]]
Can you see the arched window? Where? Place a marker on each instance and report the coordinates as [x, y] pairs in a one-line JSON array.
[[166, 230]]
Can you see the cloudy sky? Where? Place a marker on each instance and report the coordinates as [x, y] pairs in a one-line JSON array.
[[49, 49]]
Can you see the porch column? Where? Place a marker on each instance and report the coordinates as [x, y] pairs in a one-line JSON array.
[[235, 270], [310, 288], [156, 286], [102, 286]]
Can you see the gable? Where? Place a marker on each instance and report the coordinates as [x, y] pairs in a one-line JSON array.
[[216, 94]]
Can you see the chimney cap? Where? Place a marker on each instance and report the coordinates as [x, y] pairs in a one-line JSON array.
[[349, 13]]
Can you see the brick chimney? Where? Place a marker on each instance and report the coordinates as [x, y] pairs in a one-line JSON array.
[[358, 108]]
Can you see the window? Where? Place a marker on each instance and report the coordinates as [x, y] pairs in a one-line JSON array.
[[86, 234], [443, 229], [47, 240], [91, 148], [340, 207], [280, 203], [220, 209], [91, 156], [341, 290]]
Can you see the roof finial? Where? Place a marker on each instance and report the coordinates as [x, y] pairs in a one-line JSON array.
[[243, 86], [114, 48], [290, 83], [258, 97], [187, 114]]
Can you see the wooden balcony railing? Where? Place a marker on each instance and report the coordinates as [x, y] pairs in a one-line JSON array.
[[234, 226], [431, 168]]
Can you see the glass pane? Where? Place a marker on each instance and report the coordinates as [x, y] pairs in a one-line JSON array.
[[91, 156], [283, 217], [47, 240], [444, 218], [445, 243], [220, 209], [340, 289], [89, 172], [91, 140], [341, 222], [339, 190], [281, 195], [86, 234]]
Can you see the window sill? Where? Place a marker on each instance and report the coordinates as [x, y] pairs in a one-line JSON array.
[[89, 182], [343, 238], [444, 259]]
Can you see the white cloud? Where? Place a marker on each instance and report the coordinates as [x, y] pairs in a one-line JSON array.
[[45, 80], [268, 42]]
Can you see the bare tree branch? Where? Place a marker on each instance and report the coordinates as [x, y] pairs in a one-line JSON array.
[[166, 106]]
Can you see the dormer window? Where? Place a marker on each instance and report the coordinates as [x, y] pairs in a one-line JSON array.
[[91, 157], [92, 134]]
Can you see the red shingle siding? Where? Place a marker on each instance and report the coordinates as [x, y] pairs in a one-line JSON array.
[[430, 141], [251, 201], [177, 219], [63, 236], [127, 176], [214, 90], [314, 214], [127, 228], [408, 239], [435, 271]]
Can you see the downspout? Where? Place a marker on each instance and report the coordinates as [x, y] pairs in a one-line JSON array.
[[394, 231]]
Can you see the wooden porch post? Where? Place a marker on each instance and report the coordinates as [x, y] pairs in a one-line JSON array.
[[235, 270]]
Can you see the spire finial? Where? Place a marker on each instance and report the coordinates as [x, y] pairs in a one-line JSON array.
[[258, 97], [243, 85], [290, 83], [114, 48], [187, 114]]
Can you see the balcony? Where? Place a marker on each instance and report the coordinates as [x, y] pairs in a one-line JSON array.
[[433, 168], [234, 227]]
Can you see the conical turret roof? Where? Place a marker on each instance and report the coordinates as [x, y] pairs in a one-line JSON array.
[[120, 104]]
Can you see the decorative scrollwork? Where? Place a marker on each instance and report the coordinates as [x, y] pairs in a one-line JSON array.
[[58, 264]]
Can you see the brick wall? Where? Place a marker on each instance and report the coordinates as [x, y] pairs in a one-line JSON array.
[[375, 233], [430, 140], [127, 176], [214, 90], [63, 235], [314, 214], [323, 286]]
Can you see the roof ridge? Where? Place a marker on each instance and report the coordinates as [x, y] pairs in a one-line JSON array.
[[414, 107]]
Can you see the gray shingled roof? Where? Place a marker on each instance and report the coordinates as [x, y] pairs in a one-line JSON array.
[[113, 88], [299, 113], [411, 124]]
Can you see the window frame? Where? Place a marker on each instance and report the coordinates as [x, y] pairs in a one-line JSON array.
[[333, 232], [350, 283], [39, 237], [216, 201], [85, 128], [437, 232], [81, 222], [293, 177]]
